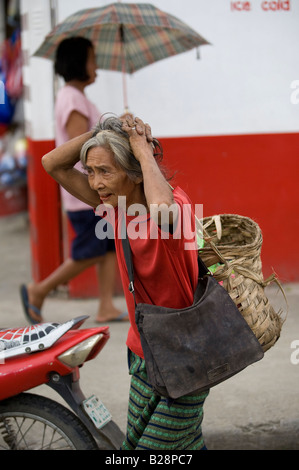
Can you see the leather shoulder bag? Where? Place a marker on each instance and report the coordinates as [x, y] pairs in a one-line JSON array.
[[190, 350]]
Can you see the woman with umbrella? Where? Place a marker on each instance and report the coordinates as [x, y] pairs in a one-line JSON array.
[[120, 162], [74, 115]]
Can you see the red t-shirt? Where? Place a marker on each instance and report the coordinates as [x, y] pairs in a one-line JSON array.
[[165, 269]]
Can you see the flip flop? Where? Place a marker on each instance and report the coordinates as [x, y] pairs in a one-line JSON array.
[[27, 306], [120, 318]]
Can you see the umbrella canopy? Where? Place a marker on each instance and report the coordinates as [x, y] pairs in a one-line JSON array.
[[126, 36]]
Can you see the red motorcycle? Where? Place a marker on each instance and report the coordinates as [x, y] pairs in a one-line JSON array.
[[52, 353]]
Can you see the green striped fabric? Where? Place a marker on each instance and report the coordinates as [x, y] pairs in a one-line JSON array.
[[156, 424], [126, 36]]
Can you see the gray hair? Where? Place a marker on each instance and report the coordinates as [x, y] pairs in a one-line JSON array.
[[110, 135]]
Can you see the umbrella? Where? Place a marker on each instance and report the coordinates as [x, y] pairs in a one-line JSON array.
[[126, 36]]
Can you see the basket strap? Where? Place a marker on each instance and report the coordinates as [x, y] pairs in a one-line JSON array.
[[201, 232]]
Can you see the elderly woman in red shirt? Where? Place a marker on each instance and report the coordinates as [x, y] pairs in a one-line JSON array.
[[122, 166]]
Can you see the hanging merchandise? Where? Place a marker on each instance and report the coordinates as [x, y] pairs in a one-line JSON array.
[[13, 160], [12, 66], [7, 107]]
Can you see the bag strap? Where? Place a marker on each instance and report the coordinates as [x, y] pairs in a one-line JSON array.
[[128, 260], [202, 268]]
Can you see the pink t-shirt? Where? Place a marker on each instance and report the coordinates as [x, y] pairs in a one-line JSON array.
[[71, 99]]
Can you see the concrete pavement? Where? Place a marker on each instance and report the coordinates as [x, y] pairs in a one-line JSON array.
[[257, 409]]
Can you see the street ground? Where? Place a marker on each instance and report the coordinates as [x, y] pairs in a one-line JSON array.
[[257, 409]]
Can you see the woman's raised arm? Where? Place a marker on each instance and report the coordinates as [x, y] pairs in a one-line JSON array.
[[59, 163]]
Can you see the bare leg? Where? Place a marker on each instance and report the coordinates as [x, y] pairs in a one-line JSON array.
[[37, 292], [106, 277]]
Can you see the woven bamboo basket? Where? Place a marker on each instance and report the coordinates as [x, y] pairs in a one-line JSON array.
[[234, 243]]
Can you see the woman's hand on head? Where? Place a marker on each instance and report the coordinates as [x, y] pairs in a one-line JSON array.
[[131, 124], [140, 135]]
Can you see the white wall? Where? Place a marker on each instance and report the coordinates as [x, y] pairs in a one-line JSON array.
[[37, 73], [241, 84]]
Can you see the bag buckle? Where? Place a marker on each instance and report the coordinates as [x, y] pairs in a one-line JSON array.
[[131, 287]]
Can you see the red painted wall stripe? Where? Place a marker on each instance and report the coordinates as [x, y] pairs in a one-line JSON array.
[[251, 175], [44, 212]]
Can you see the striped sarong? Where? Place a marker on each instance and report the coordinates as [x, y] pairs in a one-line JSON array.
[[154, 422]]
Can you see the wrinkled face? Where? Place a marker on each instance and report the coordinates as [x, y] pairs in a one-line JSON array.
[[109, 180]]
